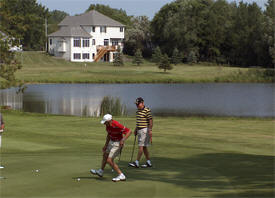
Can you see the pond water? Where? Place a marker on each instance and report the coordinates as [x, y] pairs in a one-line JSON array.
[[215, 99]]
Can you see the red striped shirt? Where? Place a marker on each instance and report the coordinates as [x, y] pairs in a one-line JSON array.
[[116, 131]]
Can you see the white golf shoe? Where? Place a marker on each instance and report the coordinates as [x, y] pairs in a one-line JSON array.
[[97, 172], [1, 167], [147, 165], [121, 177]]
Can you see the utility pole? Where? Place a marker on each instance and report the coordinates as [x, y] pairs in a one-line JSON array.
[[46, 34]]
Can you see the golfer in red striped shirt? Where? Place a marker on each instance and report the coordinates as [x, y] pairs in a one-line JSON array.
[[113, 145]]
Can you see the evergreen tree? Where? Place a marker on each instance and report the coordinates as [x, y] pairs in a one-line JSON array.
[[165, 63], [176, 57], [156, 56], [138, 57], [118, 61]]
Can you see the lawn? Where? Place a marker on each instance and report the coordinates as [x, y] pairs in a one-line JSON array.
[[41, 68], [192, 156]]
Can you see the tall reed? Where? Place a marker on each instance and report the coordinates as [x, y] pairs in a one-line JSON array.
[[113, 106]]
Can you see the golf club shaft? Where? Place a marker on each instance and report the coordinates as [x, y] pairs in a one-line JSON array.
[[120, 150], [133, 148]]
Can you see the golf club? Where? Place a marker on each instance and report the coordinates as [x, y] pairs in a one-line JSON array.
[[1, 167], [120, 151], [133, 149]]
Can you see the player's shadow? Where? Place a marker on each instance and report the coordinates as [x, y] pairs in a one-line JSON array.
[[250, 175]]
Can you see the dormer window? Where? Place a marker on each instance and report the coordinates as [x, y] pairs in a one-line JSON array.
[[93, 28], [103, 29]]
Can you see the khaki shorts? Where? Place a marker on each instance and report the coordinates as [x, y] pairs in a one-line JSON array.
[[143, 137], [113, 149]]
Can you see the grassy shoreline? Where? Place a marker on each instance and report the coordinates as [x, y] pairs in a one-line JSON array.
[[193, 157], [41, 68]]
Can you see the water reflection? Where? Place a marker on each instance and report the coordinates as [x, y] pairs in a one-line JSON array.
[[10, 98], [231, 99]]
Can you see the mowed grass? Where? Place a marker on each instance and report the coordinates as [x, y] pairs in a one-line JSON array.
[[193, 157], [41, 68]]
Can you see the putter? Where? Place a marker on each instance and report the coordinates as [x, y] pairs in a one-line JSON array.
[[133, 148], [120, 150], [1, 152]]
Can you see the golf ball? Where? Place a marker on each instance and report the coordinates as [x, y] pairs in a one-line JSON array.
[[78, 179], [37, 170]]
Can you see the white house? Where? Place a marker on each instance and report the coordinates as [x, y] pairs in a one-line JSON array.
[[10, 40], [89, 37]]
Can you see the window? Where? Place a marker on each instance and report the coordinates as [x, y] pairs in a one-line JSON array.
[[93, 42], [93, 28], [85, 56], [86, 42], [93, 55], [51, 41], [77, 42], [106, 42], [77, 56], [114, 42], [121, 29], [103, 29]]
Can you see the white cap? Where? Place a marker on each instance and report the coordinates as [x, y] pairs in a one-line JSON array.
[[106, 117]]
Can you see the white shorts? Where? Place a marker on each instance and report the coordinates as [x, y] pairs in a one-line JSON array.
[[143, 137], [113, 149]]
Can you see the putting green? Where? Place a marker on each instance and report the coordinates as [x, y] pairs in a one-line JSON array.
[[193, 157]]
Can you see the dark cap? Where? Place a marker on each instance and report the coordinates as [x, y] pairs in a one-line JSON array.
[[139, 100]]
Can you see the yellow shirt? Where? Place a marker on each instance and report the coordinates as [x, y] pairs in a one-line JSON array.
[[143, 117]]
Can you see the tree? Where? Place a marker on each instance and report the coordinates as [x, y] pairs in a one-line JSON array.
[[138, 36], [269, 32], [157, 55], [179, 25], [54, 18], [192, 58], [118, 61], [24, 20], [165, 63], [220, 32], [116, 14], [8, 65], [176, 57], [138, 57], [247, 46]]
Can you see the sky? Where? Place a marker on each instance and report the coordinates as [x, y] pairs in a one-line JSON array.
[[132, 7]]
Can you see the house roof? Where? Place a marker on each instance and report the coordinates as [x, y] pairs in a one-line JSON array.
[[90, 18], [68, 31]]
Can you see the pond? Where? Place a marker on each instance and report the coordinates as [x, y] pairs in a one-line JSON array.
[[214, 99]]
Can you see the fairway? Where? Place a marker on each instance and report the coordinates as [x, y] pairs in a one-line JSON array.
[[44, 155], [41, 68]]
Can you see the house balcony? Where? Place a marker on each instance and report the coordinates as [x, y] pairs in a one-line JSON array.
[[107, 48]]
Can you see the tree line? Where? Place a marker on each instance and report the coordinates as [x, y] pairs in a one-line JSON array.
[[217, 31], [190, 30], [203, 30]]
